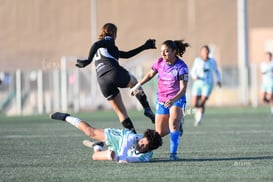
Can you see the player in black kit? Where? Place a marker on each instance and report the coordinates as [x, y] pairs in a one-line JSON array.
[[111, 75]]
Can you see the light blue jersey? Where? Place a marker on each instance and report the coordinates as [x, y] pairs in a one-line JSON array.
[[202, 73], [123, 143], [204, 70], [267, 76]]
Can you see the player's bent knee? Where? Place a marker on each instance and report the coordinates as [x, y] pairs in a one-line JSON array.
[[90, 133]]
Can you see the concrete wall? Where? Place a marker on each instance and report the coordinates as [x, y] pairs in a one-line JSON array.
[[35, 33]]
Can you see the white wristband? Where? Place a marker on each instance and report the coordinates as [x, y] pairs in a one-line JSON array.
[[136, 87]]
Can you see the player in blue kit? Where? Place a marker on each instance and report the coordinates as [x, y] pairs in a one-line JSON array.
[[124, 145]]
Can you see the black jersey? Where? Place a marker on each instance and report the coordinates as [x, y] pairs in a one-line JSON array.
[[106, 55]]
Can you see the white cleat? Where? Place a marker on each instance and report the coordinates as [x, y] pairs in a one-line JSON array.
[[91, 144], [88, 143]]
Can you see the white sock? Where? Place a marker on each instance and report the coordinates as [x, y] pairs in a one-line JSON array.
[[97, 148], [73, 120], [198, 116], [271, 109]]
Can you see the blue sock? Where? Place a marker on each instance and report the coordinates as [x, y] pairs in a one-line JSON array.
[[174, 141]]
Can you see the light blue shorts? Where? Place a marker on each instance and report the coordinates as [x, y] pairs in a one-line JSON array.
[[114, 137], [201, 88], [161, 109], [267, 87]]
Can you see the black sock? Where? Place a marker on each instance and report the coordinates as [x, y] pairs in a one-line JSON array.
[[142, 98], [127, 123]]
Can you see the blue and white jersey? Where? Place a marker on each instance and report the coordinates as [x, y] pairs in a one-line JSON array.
[[123, 142], [267, 72], [204, 70]]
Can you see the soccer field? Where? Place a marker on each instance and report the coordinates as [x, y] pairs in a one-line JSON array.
[[233, 144]]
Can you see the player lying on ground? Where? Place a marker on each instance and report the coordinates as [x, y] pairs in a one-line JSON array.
[[123, 145]]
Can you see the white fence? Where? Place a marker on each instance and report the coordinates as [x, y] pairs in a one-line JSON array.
[[64, 87]]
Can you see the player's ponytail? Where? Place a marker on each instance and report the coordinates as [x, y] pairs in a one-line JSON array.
[[178, 45], [181, 47], [108, 29]]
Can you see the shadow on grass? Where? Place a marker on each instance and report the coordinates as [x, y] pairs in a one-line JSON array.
[[214, 159]]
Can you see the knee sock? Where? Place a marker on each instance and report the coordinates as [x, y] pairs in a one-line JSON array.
[[127, 123], [142, 98], [73, 120], [174, 141]]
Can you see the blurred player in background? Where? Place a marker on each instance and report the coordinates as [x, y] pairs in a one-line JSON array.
[[202, 73], [172, 84], [111, 75], [123, 145], [267, 79]]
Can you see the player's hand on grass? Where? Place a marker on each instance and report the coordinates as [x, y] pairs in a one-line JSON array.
[[82, 63], [149, 44]]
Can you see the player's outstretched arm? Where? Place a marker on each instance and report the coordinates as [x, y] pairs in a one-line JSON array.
[[101, 43], [149, 44], [146, 78]]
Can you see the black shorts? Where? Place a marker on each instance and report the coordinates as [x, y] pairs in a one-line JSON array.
[[110, 81]]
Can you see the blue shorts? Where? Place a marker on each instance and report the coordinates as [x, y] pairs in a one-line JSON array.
[[201, 88], [161, 109]]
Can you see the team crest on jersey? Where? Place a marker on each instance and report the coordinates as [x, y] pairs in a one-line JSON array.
[[175, 72]]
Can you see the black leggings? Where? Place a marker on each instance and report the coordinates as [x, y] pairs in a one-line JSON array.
[[110, 81]]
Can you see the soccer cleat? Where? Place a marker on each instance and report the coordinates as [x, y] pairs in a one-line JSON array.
[[173, 157], [59, 116], [149, 113], [91, 144]]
